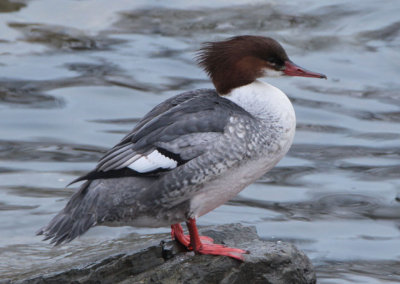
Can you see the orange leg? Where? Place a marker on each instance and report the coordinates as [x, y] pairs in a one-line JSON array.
[[177, 234], [202, 244]]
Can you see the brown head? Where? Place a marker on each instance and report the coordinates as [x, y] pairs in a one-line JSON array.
[[240, 60]]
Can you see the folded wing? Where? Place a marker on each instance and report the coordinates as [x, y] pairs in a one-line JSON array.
[[173, 133]]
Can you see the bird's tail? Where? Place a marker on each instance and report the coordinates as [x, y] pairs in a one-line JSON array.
[[78, 216]]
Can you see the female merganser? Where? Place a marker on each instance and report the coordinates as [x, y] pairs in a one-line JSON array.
[[193, 152]]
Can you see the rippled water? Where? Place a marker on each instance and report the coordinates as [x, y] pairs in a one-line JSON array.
[[76, 75]]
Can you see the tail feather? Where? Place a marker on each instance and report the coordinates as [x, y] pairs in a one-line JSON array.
[[78, 216], [101, 201]]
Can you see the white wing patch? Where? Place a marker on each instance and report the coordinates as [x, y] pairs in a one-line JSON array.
[[155, 160]]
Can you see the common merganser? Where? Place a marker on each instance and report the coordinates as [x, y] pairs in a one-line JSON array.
[[193, 152]]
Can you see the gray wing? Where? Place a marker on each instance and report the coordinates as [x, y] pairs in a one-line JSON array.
[[173, 133]]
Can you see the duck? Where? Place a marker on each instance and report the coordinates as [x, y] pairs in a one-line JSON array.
[[193, 152]]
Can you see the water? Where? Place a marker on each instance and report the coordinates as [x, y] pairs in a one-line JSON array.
[[75, 76]]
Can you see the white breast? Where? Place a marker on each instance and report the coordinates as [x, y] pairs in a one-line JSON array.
[[264, 101]]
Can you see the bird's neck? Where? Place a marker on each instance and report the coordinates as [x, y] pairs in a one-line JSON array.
[[261, 100]]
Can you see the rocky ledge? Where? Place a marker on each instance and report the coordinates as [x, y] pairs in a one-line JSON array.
[[268, 262]]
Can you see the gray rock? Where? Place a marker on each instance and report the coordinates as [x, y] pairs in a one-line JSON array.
[[169, 262]]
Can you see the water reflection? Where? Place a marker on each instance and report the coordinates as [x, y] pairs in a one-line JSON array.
[[63, 38], [24, 94], [10, 6], [344, 205]]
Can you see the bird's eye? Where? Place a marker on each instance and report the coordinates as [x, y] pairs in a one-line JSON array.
[[275, 62], [272, 61]]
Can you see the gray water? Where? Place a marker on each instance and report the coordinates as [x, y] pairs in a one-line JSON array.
[[75, 76]]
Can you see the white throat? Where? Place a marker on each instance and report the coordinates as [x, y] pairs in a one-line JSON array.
[[263, 101]]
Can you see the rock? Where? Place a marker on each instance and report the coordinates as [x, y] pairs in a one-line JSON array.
[[169, 262]]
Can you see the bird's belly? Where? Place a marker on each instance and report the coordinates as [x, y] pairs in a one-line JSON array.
[[226, 187]]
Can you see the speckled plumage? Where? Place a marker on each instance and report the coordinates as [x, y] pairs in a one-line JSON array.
[[225, 147]]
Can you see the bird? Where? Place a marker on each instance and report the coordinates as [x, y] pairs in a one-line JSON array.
[[194, 151]]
